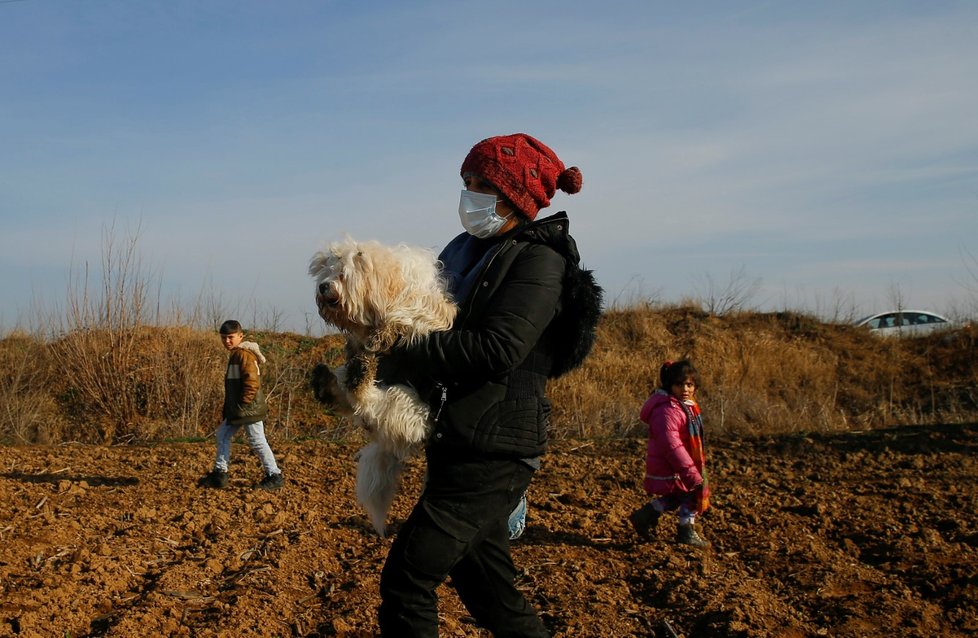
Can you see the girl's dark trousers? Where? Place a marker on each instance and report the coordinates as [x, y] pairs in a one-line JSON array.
[[458, 529]]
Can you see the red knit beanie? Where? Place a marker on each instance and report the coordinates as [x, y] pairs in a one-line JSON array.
[[523, 169]]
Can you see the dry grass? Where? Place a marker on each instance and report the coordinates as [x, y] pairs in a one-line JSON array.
[[767, 373], [28, 411], [762, 374], [109, 367]]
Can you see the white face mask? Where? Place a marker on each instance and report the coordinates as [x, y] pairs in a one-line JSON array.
[[478, 214]]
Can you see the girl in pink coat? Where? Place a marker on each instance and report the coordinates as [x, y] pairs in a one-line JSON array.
[[675, 472]]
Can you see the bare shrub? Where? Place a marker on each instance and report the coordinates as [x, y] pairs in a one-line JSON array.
[[28, 411], [182, 383], [841, 307], [96, 339], [732, 296]]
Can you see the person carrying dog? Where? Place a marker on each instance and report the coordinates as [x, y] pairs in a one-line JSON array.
[[522, 296], [244, 406]]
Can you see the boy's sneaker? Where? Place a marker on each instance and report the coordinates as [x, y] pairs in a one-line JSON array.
[[215, 478], [686, 535], [644, 520], [271, 482]]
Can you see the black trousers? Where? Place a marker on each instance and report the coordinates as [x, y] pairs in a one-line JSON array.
[[458, 529]]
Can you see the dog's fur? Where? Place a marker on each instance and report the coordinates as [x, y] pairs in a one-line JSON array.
[[379, 296]]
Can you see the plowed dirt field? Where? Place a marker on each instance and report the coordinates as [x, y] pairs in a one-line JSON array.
[[856, 534]]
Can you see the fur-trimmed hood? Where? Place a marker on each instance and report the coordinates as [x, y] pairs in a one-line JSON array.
[[253, 348], [574, 328]]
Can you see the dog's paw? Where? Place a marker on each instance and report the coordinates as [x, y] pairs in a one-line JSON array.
[[325, 386], [361, 371], [320, 381]]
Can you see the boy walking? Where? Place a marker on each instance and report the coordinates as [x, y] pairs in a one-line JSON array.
[[244, 406]]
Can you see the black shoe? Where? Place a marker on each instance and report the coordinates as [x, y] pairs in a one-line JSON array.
[[686, 535], [644, 520], [271, 482], [215, 478]]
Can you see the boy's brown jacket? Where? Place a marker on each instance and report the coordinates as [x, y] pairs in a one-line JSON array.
[[244, 401]]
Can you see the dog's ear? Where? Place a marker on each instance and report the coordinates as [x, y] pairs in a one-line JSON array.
[[360, 261], [316, 264]]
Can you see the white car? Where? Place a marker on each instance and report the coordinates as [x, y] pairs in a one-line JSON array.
[[905, 323]]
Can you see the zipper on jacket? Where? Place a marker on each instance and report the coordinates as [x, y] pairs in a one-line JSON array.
[[442, 400]]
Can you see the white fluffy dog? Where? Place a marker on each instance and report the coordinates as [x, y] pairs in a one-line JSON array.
[[379, 296]]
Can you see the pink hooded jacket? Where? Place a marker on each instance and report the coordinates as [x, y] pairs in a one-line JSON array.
[[668, 465]]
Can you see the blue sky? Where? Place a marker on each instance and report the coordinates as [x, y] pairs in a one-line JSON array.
[[826, 151]]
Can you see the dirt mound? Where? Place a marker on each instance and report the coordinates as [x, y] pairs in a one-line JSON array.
[[859, 534]]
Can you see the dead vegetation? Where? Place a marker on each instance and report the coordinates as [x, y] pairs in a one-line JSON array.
[[764, 373]]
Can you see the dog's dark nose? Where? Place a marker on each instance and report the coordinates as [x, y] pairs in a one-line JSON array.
[[323, 289]]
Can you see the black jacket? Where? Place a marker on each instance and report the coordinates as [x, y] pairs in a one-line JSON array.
[[486, 377]]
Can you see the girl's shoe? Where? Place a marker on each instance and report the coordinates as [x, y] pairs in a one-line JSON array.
[[644, 520], [686, 535]]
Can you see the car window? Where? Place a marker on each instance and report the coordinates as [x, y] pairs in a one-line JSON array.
[[909, 322]]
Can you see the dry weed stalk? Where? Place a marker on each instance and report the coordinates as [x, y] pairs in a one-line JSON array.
[[100, 330]]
